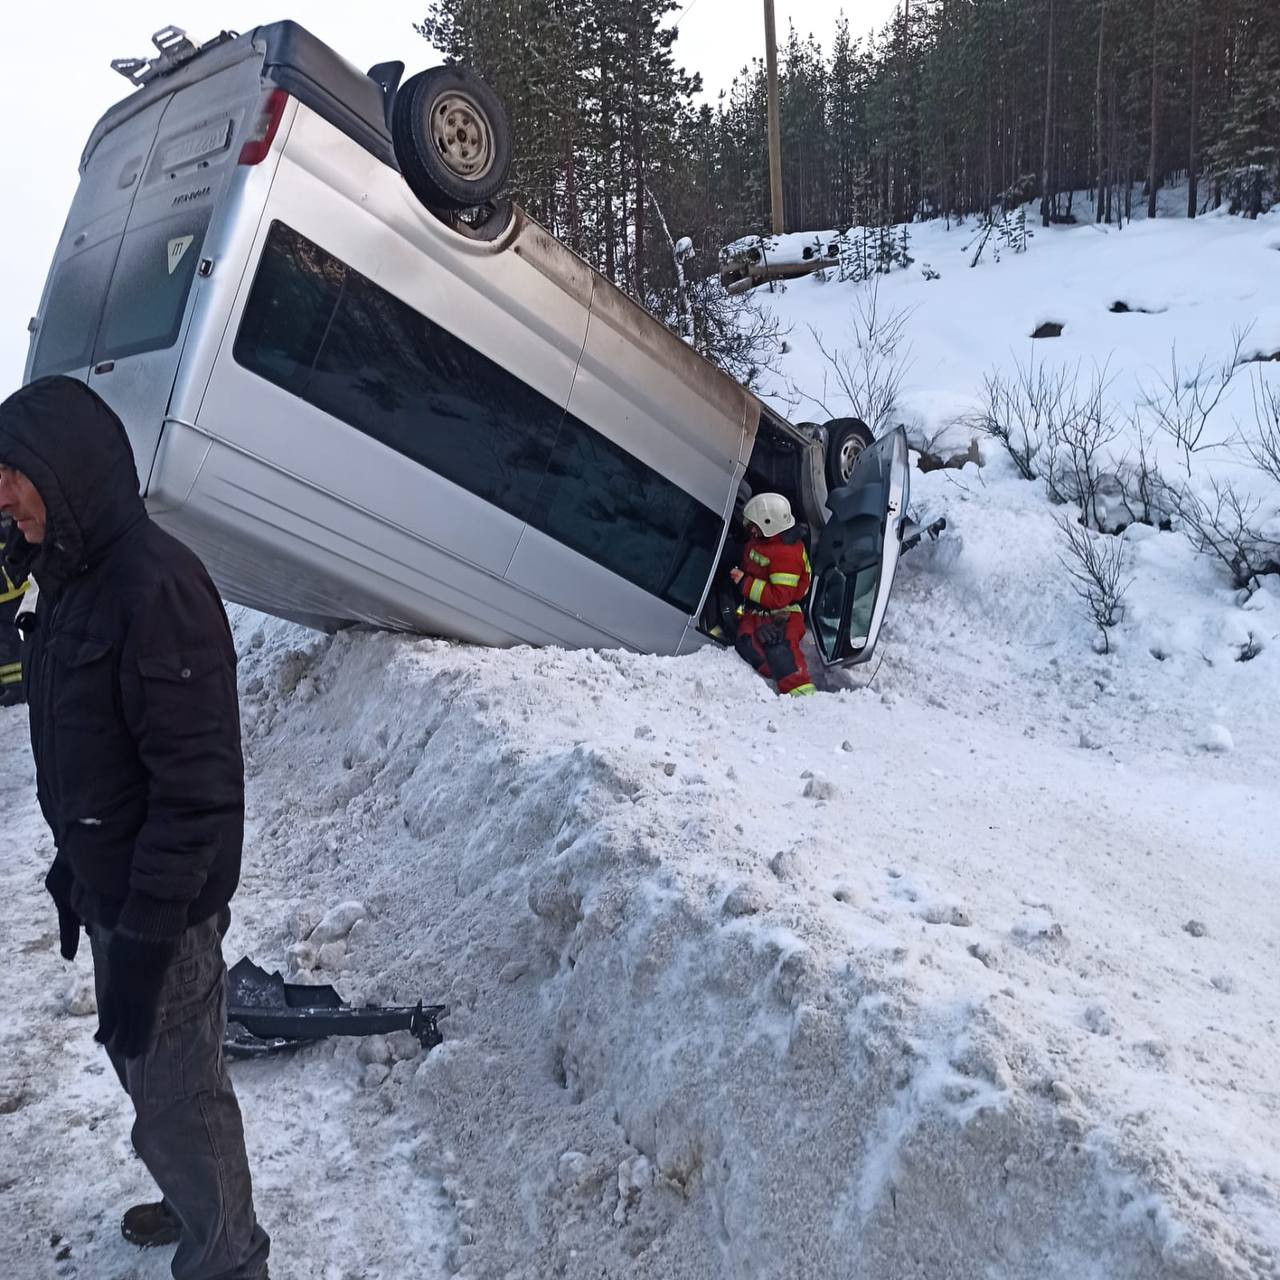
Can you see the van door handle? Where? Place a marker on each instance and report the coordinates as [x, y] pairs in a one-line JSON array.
[[105, 367]]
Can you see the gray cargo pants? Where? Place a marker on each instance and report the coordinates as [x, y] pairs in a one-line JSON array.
[[188, 1130]]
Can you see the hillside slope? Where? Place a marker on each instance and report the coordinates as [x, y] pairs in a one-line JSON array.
[[965, 969]]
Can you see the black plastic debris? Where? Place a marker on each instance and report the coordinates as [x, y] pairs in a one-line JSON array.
[[266, 1014]]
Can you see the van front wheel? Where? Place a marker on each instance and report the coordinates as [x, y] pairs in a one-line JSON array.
[[452, 138], [846, 439]]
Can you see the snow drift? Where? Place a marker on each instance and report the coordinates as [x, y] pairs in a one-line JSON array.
[[747, 988]]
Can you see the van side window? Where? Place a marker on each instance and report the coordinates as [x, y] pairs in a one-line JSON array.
[[622, 514], [327, 334]]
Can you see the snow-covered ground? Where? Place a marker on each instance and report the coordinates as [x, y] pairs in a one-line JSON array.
[[966, 969]]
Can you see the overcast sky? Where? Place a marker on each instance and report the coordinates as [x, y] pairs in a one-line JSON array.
[[58, 81]]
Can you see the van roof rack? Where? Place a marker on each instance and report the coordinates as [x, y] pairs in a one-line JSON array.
[[173, 48]]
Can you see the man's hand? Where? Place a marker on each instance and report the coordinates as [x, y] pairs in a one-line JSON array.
[[135, 974], [736, 575], [58, 883]]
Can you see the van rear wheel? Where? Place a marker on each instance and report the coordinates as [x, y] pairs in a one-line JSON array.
[[846, 439], [452, 138]]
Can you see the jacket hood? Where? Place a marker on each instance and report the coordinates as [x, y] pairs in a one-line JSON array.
[[65, 439]]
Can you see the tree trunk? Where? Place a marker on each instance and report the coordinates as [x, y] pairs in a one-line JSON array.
[[1048, 120], [1193, 172], [1097, 111], [1155, 111]]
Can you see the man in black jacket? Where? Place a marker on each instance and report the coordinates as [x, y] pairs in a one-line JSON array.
[[129, 672]]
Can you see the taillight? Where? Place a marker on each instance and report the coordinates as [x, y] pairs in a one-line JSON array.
[[259, 139]]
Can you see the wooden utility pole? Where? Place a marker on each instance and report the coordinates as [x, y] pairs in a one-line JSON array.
[[1046, 206], [775, 120]]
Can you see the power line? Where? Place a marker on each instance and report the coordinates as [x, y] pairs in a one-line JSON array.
[[683, 14]]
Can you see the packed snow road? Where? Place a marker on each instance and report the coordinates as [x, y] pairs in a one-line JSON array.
[[967, 973]]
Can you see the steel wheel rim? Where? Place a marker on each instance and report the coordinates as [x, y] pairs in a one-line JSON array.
[[462, 135], [849, 450]]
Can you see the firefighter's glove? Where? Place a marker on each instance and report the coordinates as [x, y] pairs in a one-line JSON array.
[[771, 635], [131, 997], [58, 883]]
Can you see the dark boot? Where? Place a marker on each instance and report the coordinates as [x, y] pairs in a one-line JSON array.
[[150, 1225]]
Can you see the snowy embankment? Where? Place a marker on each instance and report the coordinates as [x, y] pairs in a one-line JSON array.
[[883, 983], [966, 969]]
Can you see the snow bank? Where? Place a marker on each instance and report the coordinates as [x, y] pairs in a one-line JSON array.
[[966, 969], [712, 1020]]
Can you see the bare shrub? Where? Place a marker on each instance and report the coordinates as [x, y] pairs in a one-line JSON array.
[[1183, 399], [1095, 564], [1022, 412], [1264, 445], [1080, 432], [1221, 522], [1144, 487], [869, 372]]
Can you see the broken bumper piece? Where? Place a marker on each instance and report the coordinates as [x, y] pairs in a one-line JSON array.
[[266, 1014]]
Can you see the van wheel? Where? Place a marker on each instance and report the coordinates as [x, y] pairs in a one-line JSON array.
[[846, 439], [451, 137]]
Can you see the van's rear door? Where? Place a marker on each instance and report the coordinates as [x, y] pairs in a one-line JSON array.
[[120, 294], [67, 323], [190, 166], [857, 554]]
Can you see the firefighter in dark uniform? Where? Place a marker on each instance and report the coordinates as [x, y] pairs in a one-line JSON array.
[[11, 594]]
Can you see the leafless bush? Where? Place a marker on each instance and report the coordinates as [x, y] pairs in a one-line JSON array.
[[869, 373], [1221, 522], [1022, 412], [1183, 399], [1264, 445], [1080, 433], [1144, 487], [1095, 564]]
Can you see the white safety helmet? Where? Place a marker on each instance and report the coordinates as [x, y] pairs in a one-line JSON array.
[[770, 513]]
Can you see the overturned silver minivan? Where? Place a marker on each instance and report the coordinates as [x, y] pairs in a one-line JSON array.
[[357, 406]]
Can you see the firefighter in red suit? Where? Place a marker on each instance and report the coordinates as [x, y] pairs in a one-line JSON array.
[[774, 580]]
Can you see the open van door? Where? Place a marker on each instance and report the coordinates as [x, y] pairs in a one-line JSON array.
[[857, 554]]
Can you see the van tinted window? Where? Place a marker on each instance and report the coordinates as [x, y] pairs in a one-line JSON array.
[[70, 320], [329, 335], [389, 371], [602, 502], [148, 294]]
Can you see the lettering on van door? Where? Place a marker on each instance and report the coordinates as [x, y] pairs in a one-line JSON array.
[[177, 250]]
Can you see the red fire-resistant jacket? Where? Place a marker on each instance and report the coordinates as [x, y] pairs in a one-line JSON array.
[[777, 573]]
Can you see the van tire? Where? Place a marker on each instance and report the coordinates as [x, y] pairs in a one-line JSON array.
[[846, 439], [452, 138]]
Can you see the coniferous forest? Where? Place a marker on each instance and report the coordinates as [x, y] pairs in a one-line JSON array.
[[1078, 109]]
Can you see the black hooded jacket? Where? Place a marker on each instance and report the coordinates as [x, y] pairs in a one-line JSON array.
[[129, 671]]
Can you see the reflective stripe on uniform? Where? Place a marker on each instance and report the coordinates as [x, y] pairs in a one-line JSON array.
[[801, 691], [756, 590], [11, 673], [10, 592], [785, 579], [757, 558]]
